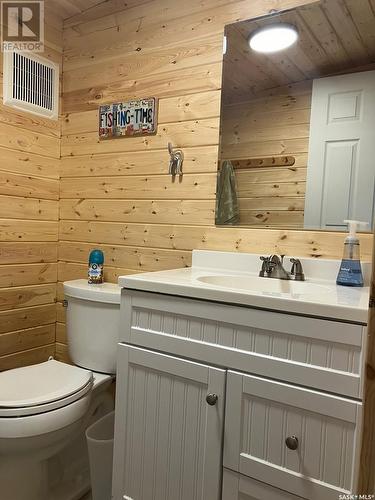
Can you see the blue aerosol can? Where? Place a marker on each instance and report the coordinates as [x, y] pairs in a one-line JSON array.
[[96, 269]]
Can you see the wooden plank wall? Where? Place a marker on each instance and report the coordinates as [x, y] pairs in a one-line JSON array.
[[116, 194], [29, 193], [271, 125]]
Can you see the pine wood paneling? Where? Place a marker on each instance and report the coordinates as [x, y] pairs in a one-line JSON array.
[[27, 253], [27, 230], [183, 134], [28, 317], [146, 211], [269, 196], [163, 14], [31, 274], [72, 271], [60, 313], [318, 244], [16, 297], [172, 51], [29, 164], [28, 357], [61, 352], [286, 147], [14, 137], [173, 109], [61, 333], [30, 338], [29, 194], [147, 259], [34, 123], [193, 186], [68, 8], [28, 186], [197, 159], [171, 83], [181, 55], [102, 8], [28, 208], [333, 37]]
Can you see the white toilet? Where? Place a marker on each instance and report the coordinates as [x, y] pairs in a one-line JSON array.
[[45, 408]]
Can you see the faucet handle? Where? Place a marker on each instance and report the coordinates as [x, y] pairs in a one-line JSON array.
[[268, 265], [297, 270], [265, 266]]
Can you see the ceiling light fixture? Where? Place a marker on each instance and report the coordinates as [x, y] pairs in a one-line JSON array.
[[273, 38]]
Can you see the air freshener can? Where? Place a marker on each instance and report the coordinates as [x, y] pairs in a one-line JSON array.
[[96, 270]]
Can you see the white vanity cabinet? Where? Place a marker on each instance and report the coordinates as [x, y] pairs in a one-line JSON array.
[[276, 376]]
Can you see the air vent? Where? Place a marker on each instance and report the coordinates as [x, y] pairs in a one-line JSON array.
[[31, 83]]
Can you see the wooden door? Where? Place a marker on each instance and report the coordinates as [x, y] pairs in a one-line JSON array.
[[168, 439], [341, 173]]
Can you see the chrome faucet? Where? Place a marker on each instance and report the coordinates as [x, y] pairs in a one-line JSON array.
[[273, 267], [297, 270]]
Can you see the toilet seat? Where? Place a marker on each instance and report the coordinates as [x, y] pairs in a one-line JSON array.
[[48, 422], [41, 388]]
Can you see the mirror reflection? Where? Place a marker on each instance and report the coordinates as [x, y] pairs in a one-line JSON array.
[[298, 118]]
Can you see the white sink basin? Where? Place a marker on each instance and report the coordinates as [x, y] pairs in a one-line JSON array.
[[266, 286], [232, 278]]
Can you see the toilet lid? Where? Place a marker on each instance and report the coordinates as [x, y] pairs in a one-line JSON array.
[[42, 384]]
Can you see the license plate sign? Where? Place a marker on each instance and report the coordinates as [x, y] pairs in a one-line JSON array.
[[137, 117]]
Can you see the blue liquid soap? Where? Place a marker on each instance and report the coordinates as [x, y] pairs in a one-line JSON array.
[[96, 271], [350, 273]]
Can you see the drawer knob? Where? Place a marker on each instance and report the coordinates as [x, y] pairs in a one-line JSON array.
[[211, 399], [292, 442]]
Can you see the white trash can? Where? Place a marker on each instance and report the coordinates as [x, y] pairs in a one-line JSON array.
[[100, 446]]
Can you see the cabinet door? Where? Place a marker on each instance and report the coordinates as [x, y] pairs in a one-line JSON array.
[[168, 438], [239, 487], [295, 439]]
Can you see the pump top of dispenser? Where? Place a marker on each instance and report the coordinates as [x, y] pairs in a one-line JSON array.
[[353, 225]]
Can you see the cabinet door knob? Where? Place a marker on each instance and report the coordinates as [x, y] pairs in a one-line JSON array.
[[292, 442], [211, 399]]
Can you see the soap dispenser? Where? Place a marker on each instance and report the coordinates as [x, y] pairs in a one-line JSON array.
[[350, 273]]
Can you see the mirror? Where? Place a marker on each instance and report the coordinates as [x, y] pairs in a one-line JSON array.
[[297, 130]]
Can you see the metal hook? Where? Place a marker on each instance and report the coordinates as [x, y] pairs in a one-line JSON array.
[[176, 161]]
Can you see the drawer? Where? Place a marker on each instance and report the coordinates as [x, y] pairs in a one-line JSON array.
[[239, 487], [324, 432], [308, 351]]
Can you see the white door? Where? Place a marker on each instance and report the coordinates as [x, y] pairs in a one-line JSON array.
[[168, 438], [341, 165]]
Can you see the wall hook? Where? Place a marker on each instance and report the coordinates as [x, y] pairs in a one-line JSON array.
[[176, 160]]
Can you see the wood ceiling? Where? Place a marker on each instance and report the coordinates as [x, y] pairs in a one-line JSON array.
[[335, 36], [68, 8]]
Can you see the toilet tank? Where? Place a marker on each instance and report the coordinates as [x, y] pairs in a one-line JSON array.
[[92, 324]]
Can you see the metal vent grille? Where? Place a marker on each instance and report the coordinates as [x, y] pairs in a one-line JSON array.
[[31, 83]]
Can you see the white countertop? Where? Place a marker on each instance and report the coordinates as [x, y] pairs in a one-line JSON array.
[[328, 300]]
